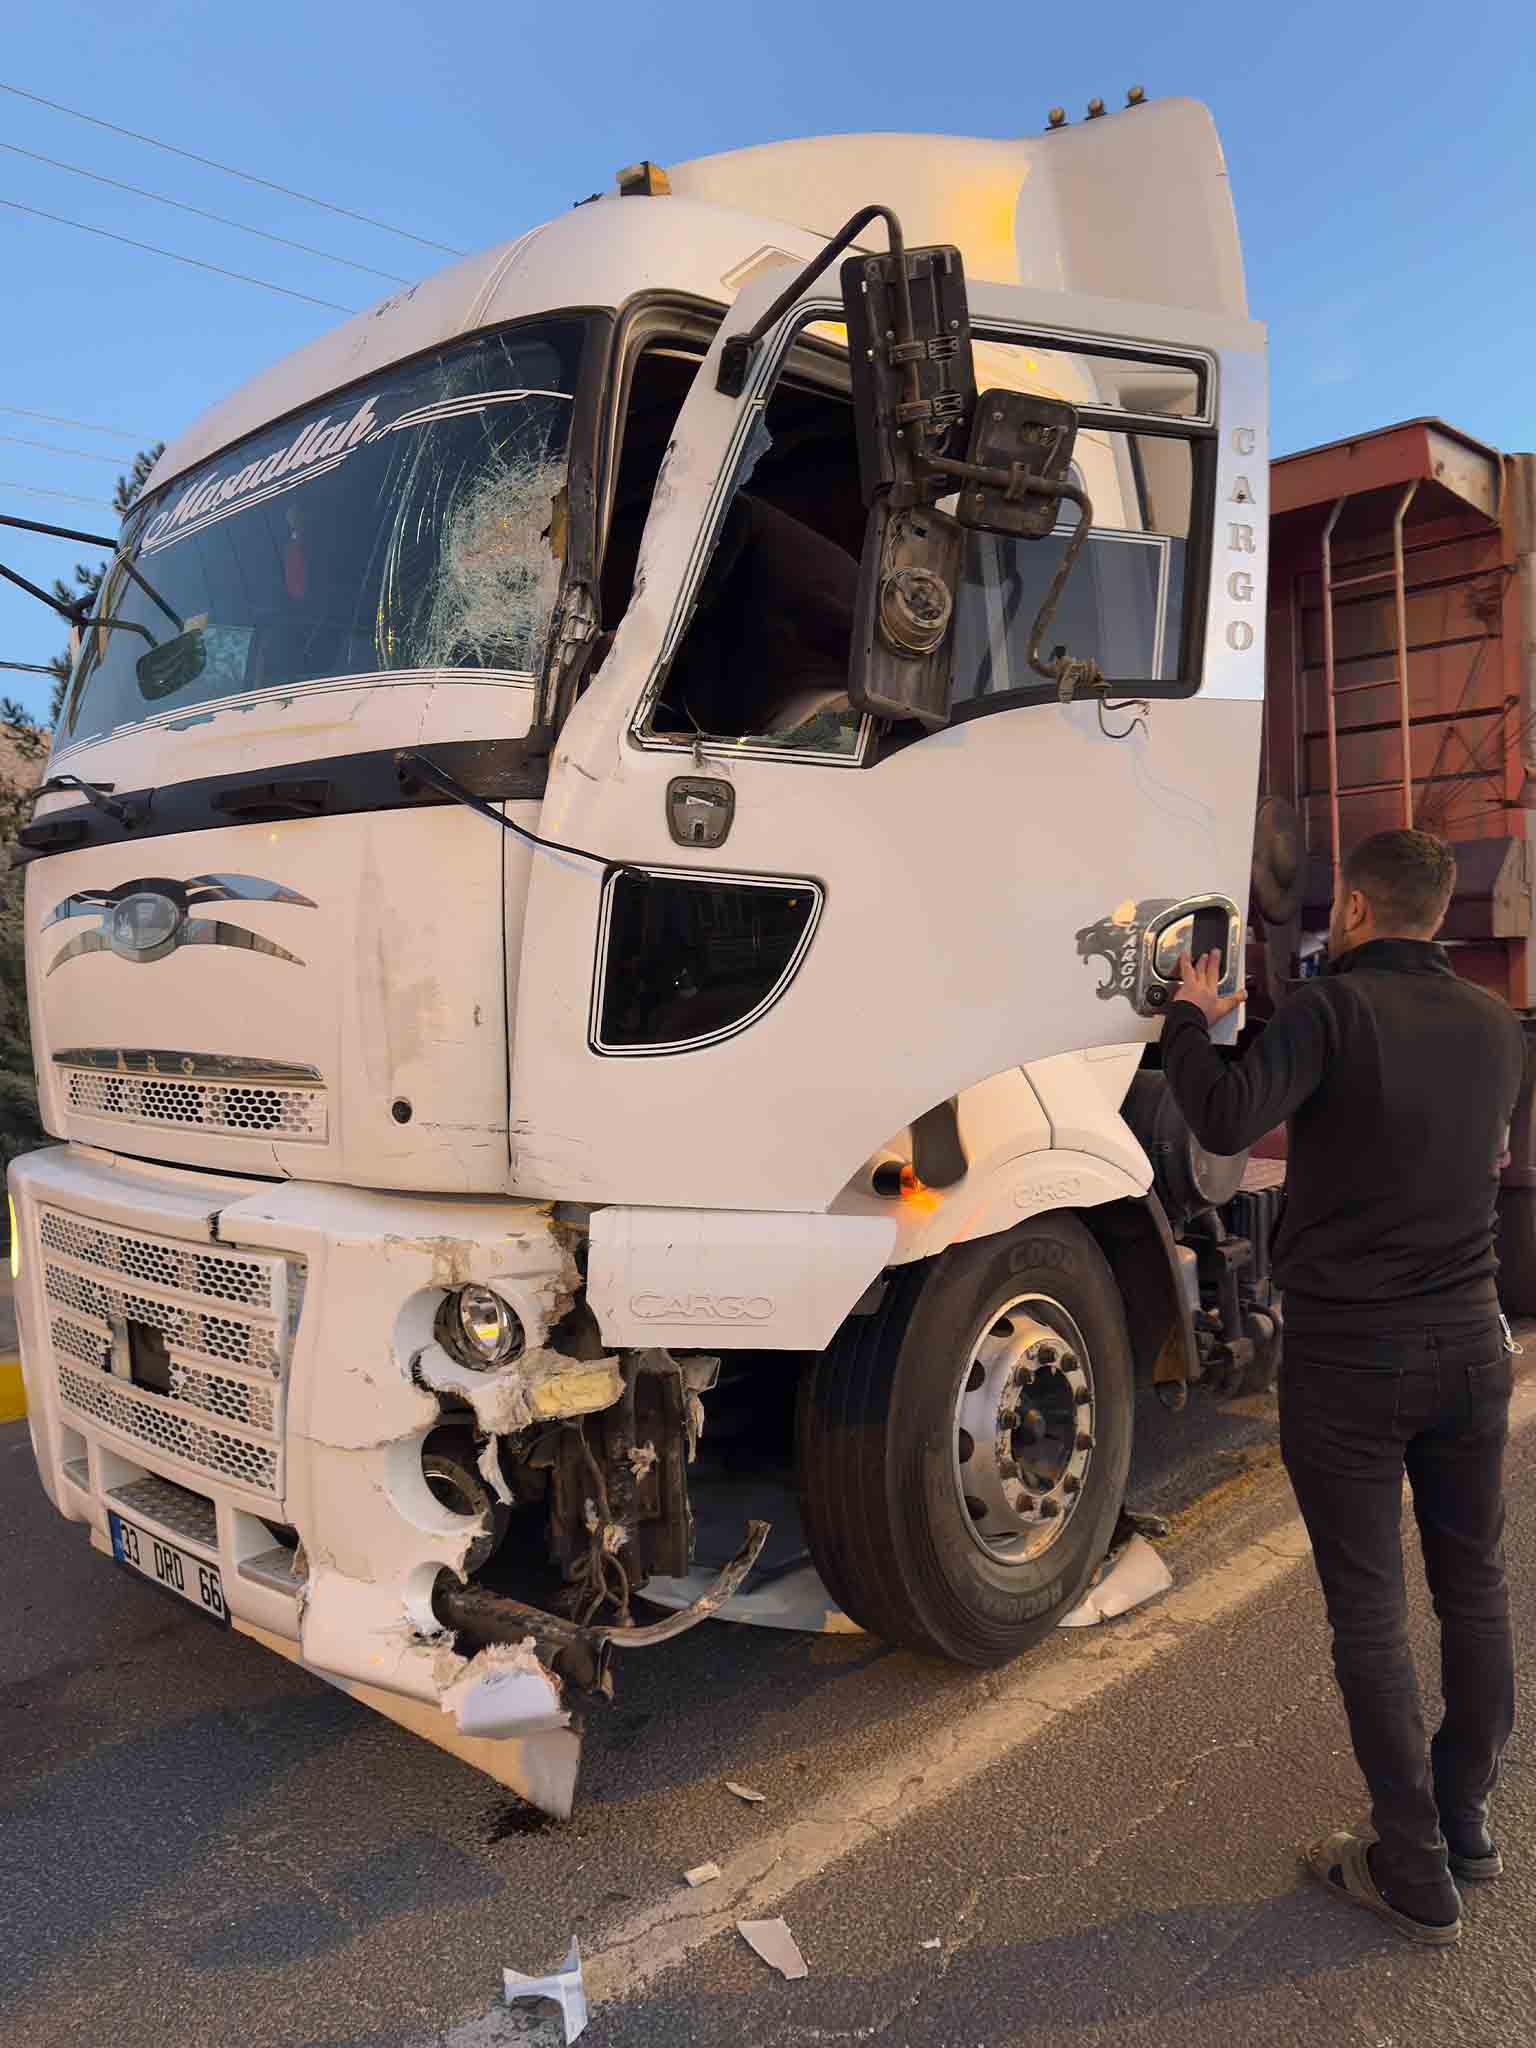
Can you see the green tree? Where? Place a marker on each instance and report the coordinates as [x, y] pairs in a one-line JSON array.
[[20, 1125], [88, 575]]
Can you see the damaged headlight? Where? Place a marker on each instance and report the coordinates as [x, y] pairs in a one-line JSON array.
[[475, 1326]]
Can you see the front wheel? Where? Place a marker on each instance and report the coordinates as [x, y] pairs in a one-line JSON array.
[[963, 1450]]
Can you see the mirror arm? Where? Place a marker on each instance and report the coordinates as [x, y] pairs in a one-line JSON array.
[[94, 540], [127, 625], [71, 612], [737, 352], [154, 596], [1064, 670]]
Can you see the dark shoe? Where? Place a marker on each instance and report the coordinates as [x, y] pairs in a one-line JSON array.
[[1341, 1864], [1473, 1854]]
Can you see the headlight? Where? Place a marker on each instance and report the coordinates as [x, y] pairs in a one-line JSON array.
[[476, 1326]]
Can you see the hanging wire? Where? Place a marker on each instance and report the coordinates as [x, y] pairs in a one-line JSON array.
[[1141, 706], [58, 419], [196, 262], [202, 212], [53, 448], [229, 170], [32, 491]]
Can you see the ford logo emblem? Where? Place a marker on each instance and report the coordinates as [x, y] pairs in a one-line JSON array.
[[143, 926], [149, 918]]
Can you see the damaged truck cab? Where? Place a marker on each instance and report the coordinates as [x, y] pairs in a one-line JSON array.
[[596, 933]]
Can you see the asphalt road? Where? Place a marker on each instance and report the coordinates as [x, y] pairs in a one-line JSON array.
[[204, 1845]]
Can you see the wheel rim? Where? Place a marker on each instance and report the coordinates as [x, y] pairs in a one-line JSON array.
[[1024, 1429]]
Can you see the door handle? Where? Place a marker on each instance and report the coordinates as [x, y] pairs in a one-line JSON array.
[[700, 809], [1197, 925]]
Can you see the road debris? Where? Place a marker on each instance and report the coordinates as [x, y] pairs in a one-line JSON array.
[[935, 1943], [773, 1941], [745, 1792], [1124, 1581], [705, 1874], [563, 1987]]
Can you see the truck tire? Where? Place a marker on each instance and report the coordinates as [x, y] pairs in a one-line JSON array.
[[963, 1450], [1517, 1251]]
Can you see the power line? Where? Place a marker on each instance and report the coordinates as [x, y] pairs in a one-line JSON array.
[[162, 199], [228, 169], [52, 448], [196, 262], [58, 419], [32, 491]]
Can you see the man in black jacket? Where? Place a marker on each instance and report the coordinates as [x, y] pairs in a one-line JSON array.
[[1397, 1081]]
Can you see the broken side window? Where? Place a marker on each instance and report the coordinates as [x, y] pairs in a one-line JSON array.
[[763, 663]]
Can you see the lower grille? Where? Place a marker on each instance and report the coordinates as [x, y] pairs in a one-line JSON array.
[[234, 1109], [150, 1422], [176, 1508], [219, 1323]]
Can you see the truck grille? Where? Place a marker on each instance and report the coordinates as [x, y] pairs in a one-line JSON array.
[[225, 1320], [234, 1109]]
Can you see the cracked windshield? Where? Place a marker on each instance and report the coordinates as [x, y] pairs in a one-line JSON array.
[[414, 525]]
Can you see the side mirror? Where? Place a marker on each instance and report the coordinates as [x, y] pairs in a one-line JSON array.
[[911, 367], [172, 665], [1019, 443]]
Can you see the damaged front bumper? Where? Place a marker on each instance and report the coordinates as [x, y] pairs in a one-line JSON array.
[[298, 1377]]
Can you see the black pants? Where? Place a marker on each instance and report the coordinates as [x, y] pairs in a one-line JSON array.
[[1355, 1415]]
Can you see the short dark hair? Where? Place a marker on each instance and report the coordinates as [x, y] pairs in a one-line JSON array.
[[1406, 877]]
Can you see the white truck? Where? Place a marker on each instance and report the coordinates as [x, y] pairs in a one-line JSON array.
[[597, 926]]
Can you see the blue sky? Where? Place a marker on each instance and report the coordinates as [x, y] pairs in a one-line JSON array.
[[1383, 160]]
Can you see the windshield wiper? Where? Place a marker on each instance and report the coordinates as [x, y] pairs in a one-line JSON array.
[[97, 794]]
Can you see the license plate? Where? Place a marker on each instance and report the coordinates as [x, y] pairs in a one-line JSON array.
[[177, 1570]]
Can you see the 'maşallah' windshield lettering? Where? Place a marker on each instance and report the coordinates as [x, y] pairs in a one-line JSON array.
[[412, 526]]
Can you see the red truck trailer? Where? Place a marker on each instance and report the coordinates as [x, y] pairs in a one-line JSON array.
[[1401, 690]]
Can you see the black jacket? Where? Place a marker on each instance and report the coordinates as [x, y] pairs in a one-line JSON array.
[[1398, 1081]]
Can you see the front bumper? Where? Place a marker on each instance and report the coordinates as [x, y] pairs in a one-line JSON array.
[[295, 1321]]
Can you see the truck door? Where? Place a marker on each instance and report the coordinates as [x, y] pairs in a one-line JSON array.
[[782, 928]]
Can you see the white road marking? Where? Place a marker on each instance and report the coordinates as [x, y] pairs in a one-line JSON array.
[[754, 1883]]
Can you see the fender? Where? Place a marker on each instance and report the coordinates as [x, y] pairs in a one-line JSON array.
[[1047, 1136], [1009, 1193]]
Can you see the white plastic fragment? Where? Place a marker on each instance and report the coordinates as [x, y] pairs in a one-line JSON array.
[[935, 1943], [745, 1792], [505, 1691], [775, 1944], [706, 1873], [564, 1987], [1137, 1574]]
